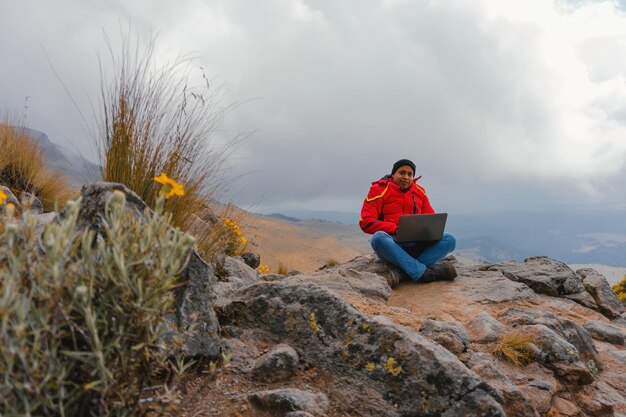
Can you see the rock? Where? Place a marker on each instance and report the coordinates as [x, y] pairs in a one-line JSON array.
[[278, 364], [10, 198], [598, 287], [345, 278], [272, 277], [298, 414], [543, 275], [603, 401], [194, 301], [291, 399], [450, 335], [605, 332], [516, 403], [35, 204], [492, 287], [574, 333], [376, 364], [253, 260], [484, 328], [564, 408], [194, 309], [584, 299], [559, 355], [236, 267], [293, 272], [540, 399]]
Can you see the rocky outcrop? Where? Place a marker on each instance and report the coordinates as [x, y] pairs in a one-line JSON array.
[[597, 285], [551, 277], [195, 316], [605, 332], [378, 356]]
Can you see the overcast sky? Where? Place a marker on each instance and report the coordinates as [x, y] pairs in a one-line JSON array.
[[502, 104]]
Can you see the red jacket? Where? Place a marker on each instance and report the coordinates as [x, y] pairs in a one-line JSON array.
[[386, 202]]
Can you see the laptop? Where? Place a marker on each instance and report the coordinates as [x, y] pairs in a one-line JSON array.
[[420, 227]]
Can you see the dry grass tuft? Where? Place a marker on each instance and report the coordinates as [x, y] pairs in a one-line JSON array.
[[24, 168], [282, 268], [154, 121], [515, 348]]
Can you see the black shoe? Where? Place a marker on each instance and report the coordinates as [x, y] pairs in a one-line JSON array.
[[442, 271], [395, 276]]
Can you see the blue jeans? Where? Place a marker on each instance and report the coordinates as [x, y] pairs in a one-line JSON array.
[[412, 257]]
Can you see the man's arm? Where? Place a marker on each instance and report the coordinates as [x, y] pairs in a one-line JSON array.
[[371, 213]]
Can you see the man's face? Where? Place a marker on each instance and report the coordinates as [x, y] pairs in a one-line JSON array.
[[403, 176]]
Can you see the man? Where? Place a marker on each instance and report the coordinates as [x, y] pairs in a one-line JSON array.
[[389, 198]]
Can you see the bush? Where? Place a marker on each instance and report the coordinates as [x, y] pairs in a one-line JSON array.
[[515, 348], [83, 316], [24, 168], [153, 121], [620, 290]]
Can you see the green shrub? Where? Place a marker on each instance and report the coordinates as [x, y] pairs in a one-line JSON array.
[[82, 317]]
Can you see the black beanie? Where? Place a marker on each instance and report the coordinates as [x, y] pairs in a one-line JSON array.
[[402, 162]]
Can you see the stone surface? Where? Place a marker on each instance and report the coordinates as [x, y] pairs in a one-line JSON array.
[[253, 260], [516, 404], [565, 408], [35, 204], [236, 267], [298, 414], [492, 287], [559, 355], [543, 275], [574, 333], [278, 364], [291, 399], [605, 332], [484, 328], [380, 361], [362, 276], [195, 317], [597, 285], [451, 335]]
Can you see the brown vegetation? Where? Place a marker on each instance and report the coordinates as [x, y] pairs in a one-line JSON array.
[[515, 348], [24, 168], [154, 121]]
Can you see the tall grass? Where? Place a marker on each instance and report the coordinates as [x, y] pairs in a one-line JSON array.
[[23, 167], [153, 121]]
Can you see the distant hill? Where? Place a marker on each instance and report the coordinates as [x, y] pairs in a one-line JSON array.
[[283, 217], [77, 169], [574, 236]]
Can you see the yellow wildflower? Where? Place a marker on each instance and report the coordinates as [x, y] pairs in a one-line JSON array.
[[170, 187], [3, 196]]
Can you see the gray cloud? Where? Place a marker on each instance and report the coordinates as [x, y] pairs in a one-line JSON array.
[[498, 109]]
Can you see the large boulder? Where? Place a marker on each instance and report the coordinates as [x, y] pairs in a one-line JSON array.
[[544, 275], [194, 314], [364, 276], [559, 355], [572, 332], [379, 367], [597, 285]]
